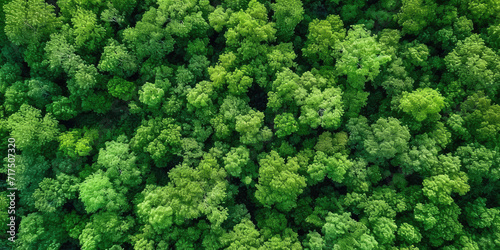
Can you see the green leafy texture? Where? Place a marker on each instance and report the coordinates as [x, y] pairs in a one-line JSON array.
[[323, 39], [322, 108], [479, 162], [121, 88], [120, 163], [281, 57], [77, 143], [10, 73], [62, 108], [283, 89], [476, 66], [398, 80], [334, 167], [439, 188], [279, 182], [52, 194], [480, 216], [191, 194], [361, 57], [29, 21], [289, 240], [482, 11], [416, 15], [97, 192], [482, 118], [41, 91], [236, 160], [243, 235], [238, 82], [382, 140], [287, 14], [161, 138], [88, 33], [249, 127], [422, 104], [15, 96], [147, 38], [104, 230], [416, 54], [151, 95], [32, 131], [61, 54], [285, 125], [250, 26], [40, 231], [341, 231], [224, 122], [440, 222], [117, 60], [409, 233]]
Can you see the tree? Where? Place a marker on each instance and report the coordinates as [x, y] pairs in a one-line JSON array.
[[161, 138], [287, 15], [243, 235], [97, 192], [383, 140], [341, 231], [120, 164], [29, 21], [474, 64], [52, 194], [416, 15], [104, 230], [236, 160], [77, 143], [482, 118], [87, 31], [334, 167], [37, 230], [151, 95], [285, 124], [121, 88], [439, 188], [249, 126], [32, 131], [279, 183], [361, 57], [323, 108], [422, 104], [147, 38], [190, 194], [324, 39], [117, 60]]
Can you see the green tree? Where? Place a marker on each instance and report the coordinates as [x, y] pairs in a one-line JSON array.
[[32, 131], [341, 231], [324, 39], [97, 192], [29, 21], [416, 15], [117, 60], [161, 138], [361, 57], [287, 14], [104, 230], [279, 182], [422, 104], [474, 64], [52, 194]]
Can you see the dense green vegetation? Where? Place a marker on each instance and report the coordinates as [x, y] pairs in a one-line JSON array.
[[252, 124]]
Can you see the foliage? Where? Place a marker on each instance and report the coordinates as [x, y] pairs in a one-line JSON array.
[[249, 124]]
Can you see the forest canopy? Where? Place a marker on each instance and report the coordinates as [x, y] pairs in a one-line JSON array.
[[250, 124]]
